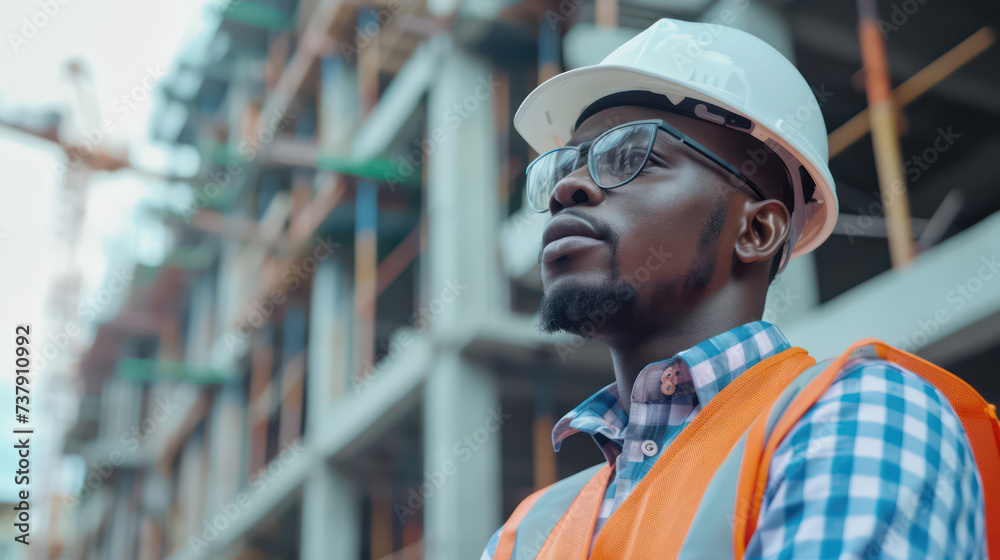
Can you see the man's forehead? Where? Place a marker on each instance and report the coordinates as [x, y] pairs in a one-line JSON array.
[[611, 117]]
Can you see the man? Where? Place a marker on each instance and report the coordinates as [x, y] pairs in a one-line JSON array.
[[680, 146]]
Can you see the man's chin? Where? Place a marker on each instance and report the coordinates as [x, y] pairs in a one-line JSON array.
[[584, 309], [558, 277]]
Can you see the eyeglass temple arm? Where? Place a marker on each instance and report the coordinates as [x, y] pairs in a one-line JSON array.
[[719, 161]]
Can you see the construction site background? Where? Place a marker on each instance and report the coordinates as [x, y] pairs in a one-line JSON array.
[[282, 281]]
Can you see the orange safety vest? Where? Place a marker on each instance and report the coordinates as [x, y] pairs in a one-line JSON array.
[[710, 480]]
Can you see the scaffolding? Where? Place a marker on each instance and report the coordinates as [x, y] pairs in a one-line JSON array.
[[339, 359]]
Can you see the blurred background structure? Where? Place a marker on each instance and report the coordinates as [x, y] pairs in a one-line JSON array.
[[335, 354]]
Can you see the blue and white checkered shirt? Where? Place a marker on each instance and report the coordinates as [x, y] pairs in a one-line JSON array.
[[880, 467]]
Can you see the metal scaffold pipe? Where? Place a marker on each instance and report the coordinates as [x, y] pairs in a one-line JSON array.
[[885, 140]]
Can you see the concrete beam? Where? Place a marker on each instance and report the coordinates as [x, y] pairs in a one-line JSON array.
[[947, 288], [379, 399]]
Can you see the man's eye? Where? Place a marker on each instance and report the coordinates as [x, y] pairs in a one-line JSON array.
[[630, 158]]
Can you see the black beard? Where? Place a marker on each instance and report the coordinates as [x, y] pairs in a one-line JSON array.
[[584, 310]]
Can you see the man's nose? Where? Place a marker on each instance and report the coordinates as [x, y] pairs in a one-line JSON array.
[[575, 188]]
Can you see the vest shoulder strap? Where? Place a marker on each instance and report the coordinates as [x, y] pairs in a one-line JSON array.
[[978, 417]]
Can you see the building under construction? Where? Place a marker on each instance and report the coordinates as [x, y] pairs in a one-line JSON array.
[[338, 359]]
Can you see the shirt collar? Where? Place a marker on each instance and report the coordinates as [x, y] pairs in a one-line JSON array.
[[702, 371]]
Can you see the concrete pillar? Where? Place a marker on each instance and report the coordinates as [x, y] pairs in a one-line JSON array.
[[328, 353], [331, 508], [463, 283], [331, 516], [461, 289], [339, 105], [462, 420]]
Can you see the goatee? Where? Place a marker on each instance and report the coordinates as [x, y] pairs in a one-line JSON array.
[[582, 310]]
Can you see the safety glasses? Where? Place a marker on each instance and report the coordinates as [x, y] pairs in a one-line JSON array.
[[613, 159]]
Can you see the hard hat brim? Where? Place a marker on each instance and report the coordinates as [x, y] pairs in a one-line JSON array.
[[547, 115]]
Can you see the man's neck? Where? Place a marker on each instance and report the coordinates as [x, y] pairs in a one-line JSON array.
[[631, 353]]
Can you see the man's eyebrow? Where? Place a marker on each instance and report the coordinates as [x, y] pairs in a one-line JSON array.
[[576, 141], [667, 140]]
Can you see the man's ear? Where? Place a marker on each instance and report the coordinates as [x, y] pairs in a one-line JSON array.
[[764, 226]]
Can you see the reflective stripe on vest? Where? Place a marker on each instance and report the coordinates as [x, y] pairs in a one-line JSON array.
[[708, 483]]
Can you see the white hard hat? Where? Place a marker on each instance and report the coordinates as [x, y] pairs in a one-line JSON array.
[[725, 67]]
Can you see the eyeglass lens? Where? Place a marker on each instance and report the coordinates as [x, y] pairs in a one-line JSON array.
[[614, 158], [618, 155]]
